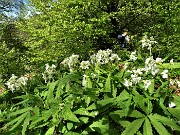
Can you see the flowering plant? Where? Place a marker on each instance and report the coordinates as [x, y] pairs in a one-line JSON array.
[[102, 95]]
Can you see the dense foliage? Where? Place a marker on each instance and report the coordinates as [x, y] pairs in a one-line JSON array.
[[90, 84]]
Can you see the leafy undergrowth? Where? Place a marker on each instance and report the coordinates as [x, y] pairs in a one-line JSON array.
[[102, 96]]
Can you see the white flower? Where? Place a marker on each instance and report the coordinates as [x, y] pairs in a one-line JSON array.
[[135, 78], [172, 82], [71, 61], [164, 74], [133, 56], [94, 75], [114, 57], [84, 81], [171, 105], [125, 65], [127, 83], [102, 57], [178, 83], [147, 83], [22, 80], [137, 71], [85, 64], [159, 60], [171, 62], [154, 71], [147, 42]]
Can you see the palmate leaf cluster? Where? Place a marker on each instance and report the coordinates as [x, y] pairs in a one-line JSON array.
[[102, 106]]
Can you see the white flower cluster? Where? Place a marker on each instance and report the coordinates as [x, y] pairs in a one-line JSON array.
[[15, 82], [84, 81], [49, 72], [174, 82], [150, 67], [85, 64], [103, 57], [71, 62], [133, 56], [147, 42]]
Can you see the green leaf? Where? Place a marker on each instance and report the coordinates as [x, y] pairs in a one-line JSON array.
[[18, 120], [133, 127], [20, 111], [105, 102], [114, 91], [151, 87], [69, 115], [107, 87], [72, 133], [175, 112], [50, 95], [69, 125], [158, 126], [117, 116], [147, 129], [50, 131], [26, 123], [166, 121], [135, 114]]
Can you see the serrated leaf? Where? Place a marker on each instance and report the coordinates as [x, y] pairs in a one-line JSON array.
[[50, 91], [158, 126], [135, 114], [25, 124], [69, 115], [175, 112], [20, 111], [117, 116], [147, 129], [133, 127], [105, 102], [18, 120], [166, 121]]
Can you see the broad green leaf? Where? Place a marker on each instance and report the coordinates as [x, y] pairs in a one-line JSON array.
[[89, 82], [118, 117], [50, 131], [166, 121], [133, 127], [51, 90], [102, 126], [158, 126], [107, 87], [124, 95], [84, 119], [175, 112], [147, 129], [81, 111], [151, 87], [69, 115], [135, 114], [170, 66], [69, 125], [105, 102], [114, 91]]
